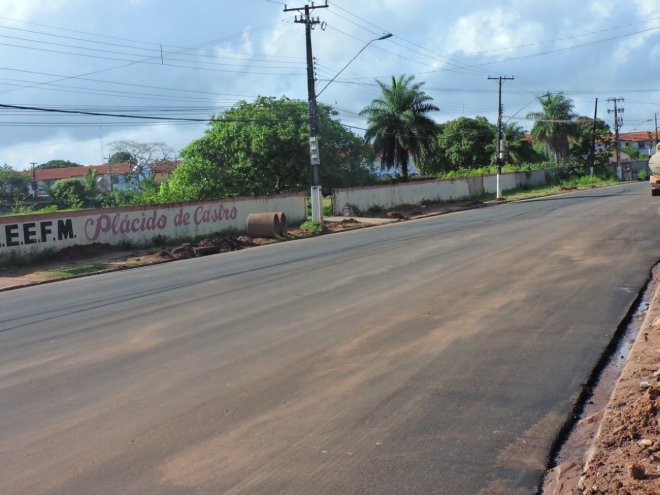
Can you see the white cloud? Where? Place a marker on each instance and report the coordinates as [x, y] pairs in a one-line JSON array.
[[646, 8], [23, 10], [602, 8], [238, 55], [490, 30], [94, 151]]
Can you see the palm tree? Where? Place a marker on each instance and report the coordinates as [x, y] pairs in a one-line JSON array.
[[397, 123], [518, 149], [554, 124]]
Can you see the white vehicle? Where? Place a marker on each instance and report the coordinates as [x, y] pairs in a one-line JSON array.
[[654, 165]]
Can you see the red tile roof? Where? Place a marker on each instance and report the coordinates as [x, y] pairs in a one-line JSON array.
[[636, 136], [49, 174], [165, 167], [115, 168], [57, 173]]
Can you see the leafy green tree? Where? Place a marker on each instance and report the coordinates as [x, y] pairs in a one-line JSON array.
[[13, 185], [632, 152], [467, 143], [119, 157], [68, 193], [581, 156], [57, 164], [554, 124], [262, 147], [518, 149], [398, 123]]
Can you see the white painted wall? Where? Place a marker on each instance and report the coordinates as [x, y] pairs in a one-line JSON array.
[[414, 193], [30, 234], [397, 194]]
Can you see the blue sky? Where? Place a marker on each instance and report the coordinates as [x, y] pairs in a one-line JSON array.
[[105, 57]]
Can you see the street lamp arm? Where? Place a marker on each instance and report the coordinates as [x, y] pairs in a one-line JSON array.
[[383, 37]]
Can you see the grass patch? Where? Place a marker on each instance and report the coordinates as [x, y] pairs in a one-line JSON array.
[[310, 226], [75, 270], [540, 191]]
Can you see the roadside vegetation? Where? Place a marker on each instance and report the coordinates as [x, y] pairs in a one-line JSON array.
[[262, 148], [581, 183]]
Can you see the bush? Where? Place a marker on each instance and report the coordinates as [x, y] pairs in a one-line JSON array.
[[310, 226], [117, 198], [472, 172], [68, 193], [327, 210], [643, 175], [375, 210]]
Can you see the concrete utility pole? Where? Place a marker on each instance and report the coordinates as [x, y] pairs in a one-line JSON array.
[[315, 157], [656, 133], [593, 140], [618, 122], [500, 132], [34, 181]]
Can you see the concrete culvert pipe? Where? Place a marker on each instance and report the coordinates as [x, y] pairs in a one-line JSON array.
[[283, 223], [263, 224]]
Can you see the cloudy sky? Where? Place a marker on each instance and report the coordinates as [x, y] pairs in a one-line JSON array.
[[188, 60]]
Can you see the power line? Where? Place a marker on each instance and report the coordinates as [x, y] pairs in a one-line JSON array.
[[156, 53], [124, 83], [121, 66], [97, 114]]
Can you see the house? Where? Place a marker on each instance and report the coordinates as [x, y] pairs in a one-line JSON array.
[[161, 171], [643, 141], [109, 176]]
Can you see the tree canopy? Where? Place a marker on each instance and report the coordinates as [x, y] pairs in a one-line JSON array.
[[141, 157], [69, 193], [519, 150], [466, 142], [13, 185], [398, 123], [582, 155], [262, 147], [58, 164], [119, 157]]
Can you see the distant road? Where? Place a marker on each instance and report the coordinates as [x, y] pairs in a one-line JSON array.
[[434, 356]]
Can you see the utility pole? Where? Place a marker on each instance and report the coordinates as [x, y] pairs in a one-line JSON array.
[[656, 133], [34, 182], [618, 122], [315, 157], [500, 133], [593, 140]]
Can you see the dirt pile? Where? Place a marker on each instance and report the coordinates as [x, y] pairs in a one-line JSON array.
[[343, 225], [211, 246], [628, 460], [626, 454], [77, 252], [396, 215]]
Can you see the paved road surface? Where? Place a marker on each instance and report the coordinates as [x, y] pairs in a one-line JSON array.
[[436, 356]]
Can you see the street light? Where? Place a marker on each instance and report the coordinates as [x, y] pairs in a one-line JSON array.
[[383, 36], [315, 158]]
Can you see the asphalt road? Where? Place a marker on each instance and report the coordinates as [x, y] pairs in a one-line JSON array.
[[435, 356]]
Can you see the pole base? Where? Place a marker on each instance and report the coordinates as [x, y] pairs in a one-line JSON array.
[[317, 205]]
